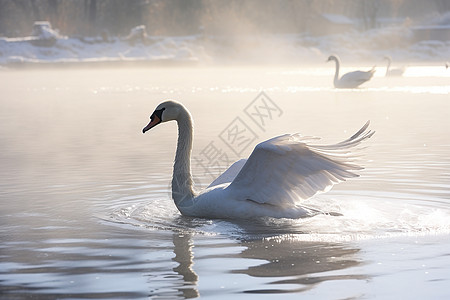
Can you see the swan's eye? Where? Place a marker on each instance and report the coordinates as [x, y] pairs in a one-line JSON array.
[[155, 119], [159, 112]]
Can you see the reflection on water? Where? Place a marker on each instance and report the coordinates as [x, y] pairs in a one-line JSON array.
[[297, 266], [85, 210], [184, 257], [287, 265]]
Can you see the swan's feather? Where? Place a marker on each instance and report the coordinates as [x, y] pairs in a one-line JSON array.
[[229, 175], [286, 169], [395, 72], [355, 78]]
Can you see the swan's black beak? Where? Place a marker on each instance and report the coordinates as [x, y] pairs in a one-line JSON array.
[[154, 120]]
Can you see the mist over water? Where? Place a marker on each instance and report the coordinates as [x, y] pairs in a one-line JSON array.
[[85, 197], [205, 32]]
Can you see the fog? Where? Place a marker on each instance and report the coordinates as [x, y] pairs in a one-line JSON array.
[[217, 32]]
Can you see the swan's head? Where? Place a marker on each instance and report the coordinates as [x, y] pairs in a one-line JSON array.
[[166, 111], [332, 57], [388, 59]]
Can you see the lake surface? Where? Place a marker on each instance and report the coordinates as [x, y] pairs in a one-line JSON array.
[[85, 207]]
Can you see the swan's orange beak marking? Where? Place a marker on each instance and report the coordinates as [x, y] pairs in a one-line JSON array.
[[154, 121]]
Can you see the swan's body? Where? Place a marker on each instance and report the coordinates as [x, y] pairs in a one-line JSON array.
[[278, 174], [349, 80], [391, 71]]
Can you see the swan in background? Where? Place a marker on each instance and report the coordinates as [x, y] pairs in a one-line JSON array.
[[392, 72], [279, 173], [352, 79]]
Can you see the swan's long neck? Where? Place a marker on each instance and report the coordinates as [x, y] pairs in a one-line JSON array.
[[388, 65], [182, 179], [336, 73]]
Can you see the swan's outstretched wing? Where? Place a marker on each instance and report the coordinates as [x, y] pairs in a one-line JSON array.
[[231, 173], [286, 169]]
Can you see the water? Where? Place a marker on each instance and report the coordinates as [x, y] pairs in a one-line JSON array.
[[85, 208]]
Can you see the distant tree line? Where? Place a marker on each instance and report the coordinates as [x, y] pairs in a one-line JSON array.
[[182, 17]]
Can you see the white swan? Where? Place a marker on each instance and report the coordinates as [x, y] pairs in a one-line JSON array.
[[352, 79], [271, 182], [392, 72]]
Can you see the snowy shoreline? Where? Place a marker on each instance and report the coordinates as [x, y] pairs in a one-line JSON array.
[[98, 62], [48, 48]]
